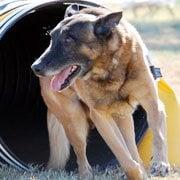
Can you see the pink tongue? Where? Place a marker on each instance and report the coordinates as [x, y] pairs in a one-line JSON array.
[[59, 79]]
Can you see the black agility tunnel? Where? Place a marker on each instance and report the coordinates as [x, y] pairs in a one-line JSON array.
[[23, 129]]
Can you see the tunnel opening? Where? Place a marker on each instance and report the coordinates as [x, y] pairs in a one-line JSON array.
[[23, 113]]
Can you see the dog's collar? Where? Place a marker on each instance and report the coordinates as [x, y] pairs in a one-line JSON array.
[[156, 72]]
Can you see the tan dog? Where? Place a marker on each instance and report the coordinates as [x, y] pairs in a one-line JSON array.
[[95, 68]]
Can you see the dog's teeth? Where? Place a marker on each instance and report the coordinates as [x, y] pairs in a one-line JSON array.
[[73, 68]]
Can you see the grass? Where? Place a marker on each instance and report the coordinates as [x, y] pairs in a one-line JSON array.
[[7, 173], [161, 33]]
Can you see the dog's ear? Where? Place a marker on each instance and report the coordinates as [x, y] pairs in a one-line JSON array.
[[72, 9], [104, 25]]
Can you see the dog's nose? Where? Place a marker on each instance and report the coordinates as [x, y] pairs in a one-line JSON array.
[[37, 69]]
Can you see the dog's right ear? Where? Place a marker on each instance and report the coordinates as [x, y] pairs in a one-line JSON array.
[[71, 10], [105, 24]]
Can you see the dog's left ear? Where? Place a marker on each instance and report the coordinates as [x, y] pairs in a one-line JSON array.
[[71, 10], [104, 25]]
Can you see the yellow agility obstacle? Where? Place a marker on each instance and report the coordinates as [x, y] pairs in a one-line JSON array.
[[172, 107]]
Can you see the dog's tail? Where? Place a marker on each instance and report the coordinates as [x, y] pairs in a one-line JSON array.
[[59, 144]]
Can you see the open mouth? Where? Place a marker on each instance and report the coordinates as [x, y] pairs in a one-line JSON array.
[[65, 78]]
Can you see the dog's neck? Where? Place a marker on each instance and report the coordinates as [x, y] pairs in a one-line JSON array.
[[111, 66], [120, 58]]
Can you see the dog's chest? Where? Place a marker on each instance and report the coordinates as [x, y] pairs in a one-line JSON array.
[[99, 93]]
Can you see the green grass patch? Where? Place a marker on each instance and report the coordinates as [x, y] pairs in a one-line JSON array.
[[7, 173]]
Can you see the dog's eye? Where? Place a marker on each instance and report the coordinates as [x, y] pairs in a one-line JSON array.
[[68, 39]]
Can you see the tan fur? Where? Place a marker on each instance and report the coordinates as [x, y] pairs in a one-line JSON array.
[[119, 80], [58, 139], [67, 108]]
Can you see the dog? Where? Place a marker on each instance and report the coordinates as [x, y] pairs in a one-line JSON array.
[[95, 69]]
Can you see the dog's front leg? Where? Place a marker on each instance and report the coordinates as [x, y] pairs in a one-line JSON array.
[[68, 110], [75, 125], [106, 128], [126, 126], [76, 132], [156, 120]]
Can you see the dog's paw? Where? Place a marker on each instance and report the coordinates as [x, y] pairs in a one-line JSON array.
[[86, 175], [160, 169]]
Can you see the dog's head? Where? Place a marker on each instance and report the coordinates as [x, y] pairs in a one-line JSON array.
[[75, 43]]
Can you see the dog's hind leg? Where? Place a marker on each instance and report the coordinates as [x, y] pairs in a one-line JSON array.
[[156, 120], [58, 142]]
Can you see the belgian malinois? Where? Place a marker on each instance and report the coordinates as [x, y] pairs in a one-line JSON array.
[[95, 68]]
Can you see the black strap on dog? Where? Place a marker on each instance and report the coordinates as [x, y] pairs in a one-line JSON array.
[[156, 72]]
